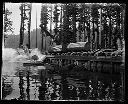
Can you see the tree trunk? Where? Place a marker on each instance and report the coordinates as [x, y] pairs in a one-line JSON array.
[[74, 24], [110, 26], [93, 34], [100, 28], [89, 32], [110, 34], [61, 17], [21, 27], [65, 29], [51, 22], [29, 24], [51, 26]]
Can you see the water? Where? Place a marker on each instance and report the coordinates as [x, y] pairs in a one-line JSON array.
[[37, 83]]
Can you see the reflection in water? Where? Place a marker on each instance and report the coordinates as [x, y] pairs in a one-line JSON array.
[[64, 86], [34, 83], [6, 89], [65, 90], [21, 83], [28, 84]]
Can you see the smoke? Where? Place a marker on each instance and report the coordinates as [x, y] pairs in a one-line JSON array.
[[37, 53], [13, 56], [8, 53]]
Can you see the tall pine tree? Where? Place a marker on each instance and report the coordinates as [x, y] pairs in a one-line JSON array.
[[44, 22]]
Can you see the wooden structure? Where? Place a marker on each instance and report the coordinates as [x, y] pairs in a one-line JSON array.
[[90, 62]]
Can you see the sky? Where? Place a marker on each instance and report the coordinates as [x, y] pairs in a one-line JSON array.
[[16, 18]]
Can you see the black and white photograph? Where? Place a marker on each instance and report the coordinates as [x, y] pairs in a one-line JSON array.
[[63, 51]]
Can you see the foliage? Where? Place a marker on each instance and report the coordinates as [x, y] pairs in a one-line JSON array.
[[84, 19], [56, 14], [44, 21], [44, 17], [7, 21]]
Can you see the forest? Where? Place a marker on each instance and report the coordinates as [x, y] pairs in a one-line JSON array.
[[98, 23], [101, 24]]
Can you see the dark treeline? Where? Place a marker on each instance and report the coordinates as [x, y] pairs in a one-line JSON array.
[[13, 40], [99, 23]]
